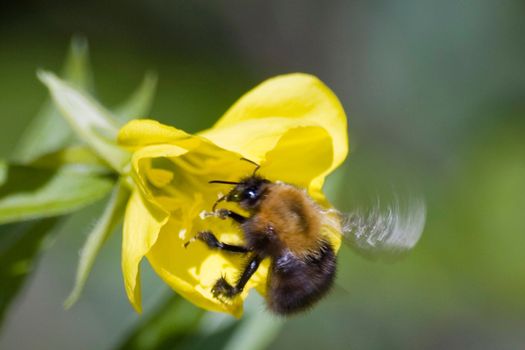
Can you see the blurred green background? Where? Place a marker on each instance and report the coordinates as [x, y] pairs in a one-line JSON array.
[[435, 96]]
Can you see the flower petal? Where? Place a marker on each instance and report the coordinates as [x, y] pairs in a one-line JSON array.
[[169, 175], [176, 180], [301, 155], [144, 132], [193, 271], [301, 98], [253, 138], [141, 229], [148, 178]]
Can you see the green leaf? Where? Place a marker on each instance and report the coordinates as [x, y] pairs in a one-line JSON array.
[[77, 70], [19, 246], [177, 324], [139, 103], [167, 327], [3, 172], [257, 329], [91, 122], [79, 158], [48, 131], [30, 192], [105, 226]]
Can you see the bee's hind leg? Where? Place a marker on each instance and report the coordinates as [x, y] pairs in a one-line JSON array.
[[223, 288], [213, 243]]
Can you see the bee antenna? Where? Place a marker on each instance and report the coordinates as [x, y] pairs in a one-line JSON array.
[[217, 202], [257, 166], [223, 182]]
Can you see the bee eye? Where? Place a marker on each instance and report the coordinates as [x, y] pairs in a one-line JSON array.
[[251, 194]]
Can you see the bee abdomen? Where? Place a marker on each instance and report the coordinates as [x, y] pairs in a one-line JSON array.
[[297, 284]]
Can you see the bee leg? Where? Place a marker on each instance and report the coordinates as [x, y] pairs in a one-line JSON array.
[[223, 288], [212, 242], [225, 213]]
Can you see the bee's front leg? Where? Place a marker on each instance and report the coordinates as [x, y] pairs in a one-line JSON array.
[[226, 213], [213, 243]]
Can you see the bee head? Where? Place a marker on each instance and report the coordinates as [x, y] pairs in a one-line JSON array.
[[247, 192]]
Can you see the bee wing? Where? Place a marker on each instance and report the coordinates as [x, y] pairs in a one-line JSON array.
[[386, 231]]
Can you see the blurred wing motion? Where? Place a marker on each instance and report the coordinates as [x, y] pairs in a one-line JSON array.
[[385, 232]]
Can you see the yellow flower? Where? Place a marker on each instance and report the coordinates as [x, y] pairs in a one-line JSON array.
[[292, 125]]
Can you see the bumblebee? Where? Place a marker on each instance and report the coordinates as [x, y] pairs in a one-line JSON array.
[[286, 225]]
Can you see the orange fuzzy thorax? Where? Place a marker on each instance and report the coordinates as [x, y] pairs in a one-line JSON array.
[[293, 216]]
